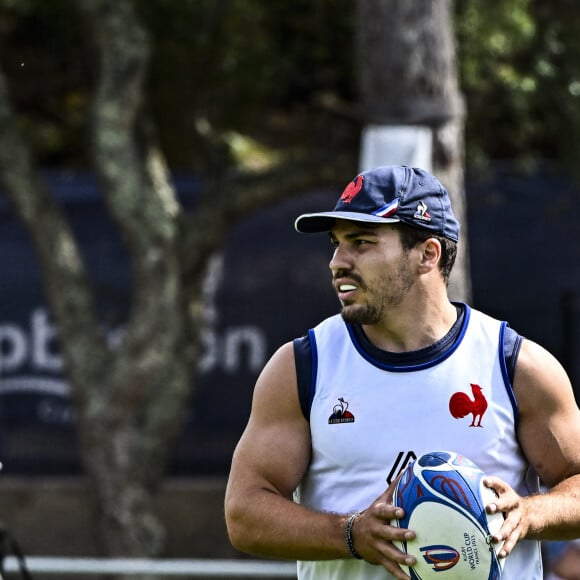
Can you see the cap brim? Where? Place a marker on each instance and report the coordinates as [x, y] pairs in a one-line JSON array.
[[310, 223]]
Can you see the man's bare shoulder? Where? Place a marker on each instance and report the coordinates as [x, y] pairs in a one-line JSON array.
[[276, 386], [539, 376], [274, 450], [549, 418]]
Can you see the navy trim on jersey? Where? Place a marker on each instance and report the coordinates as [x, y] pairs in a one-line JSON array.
[[306, 356], [510, 343], [313, 371], [306, 360], [304, 371], [424, 358]]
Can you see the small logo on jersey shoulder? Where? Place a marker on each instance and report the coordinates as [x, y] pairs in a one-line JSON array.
[[461, 405], [340, 413]]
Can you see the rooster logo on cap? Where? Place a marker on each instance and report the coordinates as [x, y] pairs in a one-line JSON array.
[[352, 189]]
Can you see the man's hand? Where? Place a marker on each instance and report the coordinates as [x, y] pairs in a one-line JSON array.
[[373, 535], [515, 524]]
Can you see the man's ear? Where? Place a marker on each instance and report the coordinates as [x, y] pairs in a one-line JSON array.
[[430, 254]]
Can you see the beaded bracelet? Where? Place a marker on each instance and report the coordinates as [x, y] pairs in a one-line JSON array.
[[348, 536]]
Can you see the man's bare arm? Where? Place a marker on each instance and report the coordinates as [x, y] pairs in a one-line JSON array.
[[268, 464], [549, 433]]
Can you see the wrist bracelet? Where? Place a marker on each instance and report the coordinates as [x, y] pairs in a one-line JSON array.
[[348, 536]]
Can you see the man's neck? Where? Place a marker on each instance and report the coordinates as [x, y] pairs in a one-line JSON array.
[[408, 330]]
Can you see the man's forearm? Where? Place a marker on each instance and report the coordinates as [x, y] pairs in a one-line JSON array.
[[555, 515], [268, 525]]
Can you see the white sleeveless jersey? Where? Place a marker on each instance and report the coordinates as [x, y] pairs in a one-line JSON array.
[[369, 419]]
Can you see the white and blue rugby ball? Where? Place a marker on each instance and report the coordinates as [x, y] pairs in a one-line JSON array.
[[444, 500]]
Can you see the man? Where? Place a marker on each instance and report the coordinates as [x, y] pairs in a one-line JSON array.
[[403, 371]]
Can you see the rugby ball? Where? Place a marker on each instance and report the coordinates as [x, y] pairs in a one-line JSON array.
[[444, 500]]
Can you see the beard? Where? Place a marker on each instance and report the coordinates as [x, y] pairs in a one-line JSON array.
[[388, 292], [361, 314]]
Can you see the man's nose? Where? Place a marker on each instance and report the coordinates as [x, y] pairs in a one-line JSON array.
[[340, 260]]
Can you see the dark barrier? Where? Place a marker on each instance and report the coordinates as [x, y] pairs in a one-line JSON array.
[[269, 285]]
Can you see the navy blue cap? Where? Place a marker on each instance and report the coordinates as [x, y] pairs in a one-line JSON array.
[[386, 195]]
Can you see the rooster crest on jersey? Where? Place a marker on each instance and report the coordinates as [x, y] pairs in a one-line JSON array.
[[444, 500], [460, 405]]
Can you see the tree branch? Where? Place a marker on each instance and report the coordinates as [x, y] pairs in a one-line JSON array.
[[65, 279], [137, 191]]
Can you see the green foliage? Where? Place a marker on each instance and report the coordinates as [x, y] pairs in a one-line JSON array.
[[520, 72], [48, 72], [243, 65], [232, 80]]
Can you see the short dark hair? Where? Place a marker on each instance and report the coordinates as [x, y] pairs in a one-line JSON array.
[[411, 237]]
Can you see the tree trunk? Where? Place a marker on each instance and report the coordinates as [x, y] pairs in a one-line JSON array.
[[131, 401], [408, 77], [128, 428]]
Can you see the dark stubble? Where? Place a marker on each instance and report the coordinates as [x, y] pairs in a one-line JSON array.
[[384, 294]]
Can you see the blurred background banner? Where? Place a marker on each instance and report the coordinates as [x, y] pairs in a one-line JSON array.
[[267, 286]]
